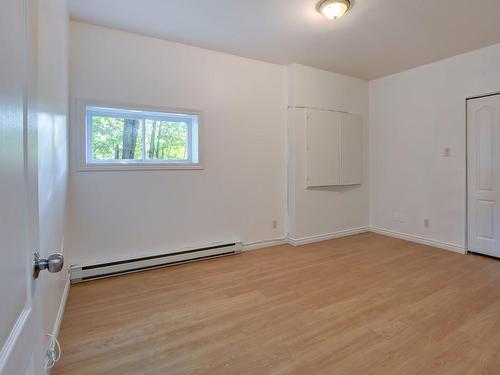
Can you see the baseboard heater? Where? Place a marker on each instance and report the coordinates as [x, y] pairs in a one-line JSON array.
[[98, 271]]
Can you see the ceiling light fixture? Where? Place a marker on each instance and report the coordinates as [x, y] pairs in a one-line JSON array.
[[333, 9]]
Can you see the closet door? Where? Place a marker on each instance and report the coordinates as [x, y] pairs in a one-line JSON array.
[[351, 150], [483, 149], [323, 148]]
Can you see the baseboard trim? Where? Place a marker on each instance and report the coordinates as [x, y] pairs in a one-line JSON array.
[[263, 244], [60, 312], [418, 239], [59, 317], [303, 240], [327, 236]]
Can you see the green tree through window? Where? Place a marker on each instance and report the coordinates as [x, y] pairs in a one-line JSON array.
[[141, 136]]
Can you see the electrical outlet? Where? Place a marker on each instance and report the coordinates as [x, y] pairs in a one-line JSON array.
[[275, 224], [427, 223]]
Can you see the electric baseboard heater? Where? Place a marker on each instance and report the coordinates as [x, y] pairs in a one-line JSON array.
[[98, 271]]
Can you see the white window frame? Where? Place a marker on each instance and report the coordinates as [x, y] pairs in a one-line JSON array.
[[84, 145]]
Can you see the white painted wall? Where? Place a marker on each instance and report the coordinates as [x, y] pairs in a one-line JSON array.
[[414, 116], [242, 189], [52, 108], [322, 212]]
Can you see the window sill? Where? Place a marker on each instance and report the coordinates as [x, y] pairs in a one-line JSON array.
[[137, 167]]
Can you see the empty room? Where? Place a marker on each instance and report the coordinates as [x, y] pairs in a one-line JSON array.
[[250, 187]]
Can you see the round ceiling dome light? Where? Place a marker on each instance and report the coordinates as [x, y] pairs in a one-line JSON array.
[[333, 9]]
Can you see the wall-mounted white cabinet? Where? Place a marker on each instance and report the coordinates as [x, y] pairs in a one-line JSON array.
[[334, 148], [351, 149]]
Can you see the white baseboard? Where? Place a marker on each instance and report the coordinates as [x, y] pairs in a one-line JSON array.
[[304, 240], [421, 240], [349, 232], [60, 312], [263, 244], [326, 236]]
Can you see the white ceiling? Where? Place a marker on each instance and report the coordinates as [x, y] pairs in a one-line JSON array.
[[375, 38]]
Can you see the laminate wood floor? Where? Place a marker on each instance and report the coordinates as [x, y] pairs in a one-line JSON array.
[[365, 304]]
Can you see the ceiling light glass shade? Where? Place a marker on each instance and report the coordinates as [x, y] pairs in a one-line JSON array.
[[333, 9]]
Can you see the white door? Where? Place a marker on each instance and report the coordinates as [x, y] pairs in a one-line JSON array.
[[323, 148], [351, 149], [21, 340], [483, 154]]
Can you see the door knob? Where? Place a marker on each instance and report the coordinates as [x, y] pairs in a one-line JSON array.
[[54, 263]]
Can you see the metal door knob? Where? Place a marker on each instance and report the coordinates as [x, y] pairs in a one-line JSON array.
[[54, 263]]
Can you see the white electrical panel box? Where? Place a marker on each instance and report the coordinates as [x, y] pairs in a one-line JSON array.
[[334, 148]]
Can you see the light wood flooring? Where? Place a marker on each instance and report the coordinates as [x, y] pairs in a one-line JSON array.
[[365, 304]]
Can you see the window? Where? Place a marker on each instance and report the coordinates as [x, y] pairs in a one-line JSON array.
[[139, 139]]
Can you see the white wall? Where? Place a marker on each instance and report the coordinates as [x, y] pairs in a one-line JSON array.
[[323, 212], [242, 189], [52, 108], [414, 116]]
